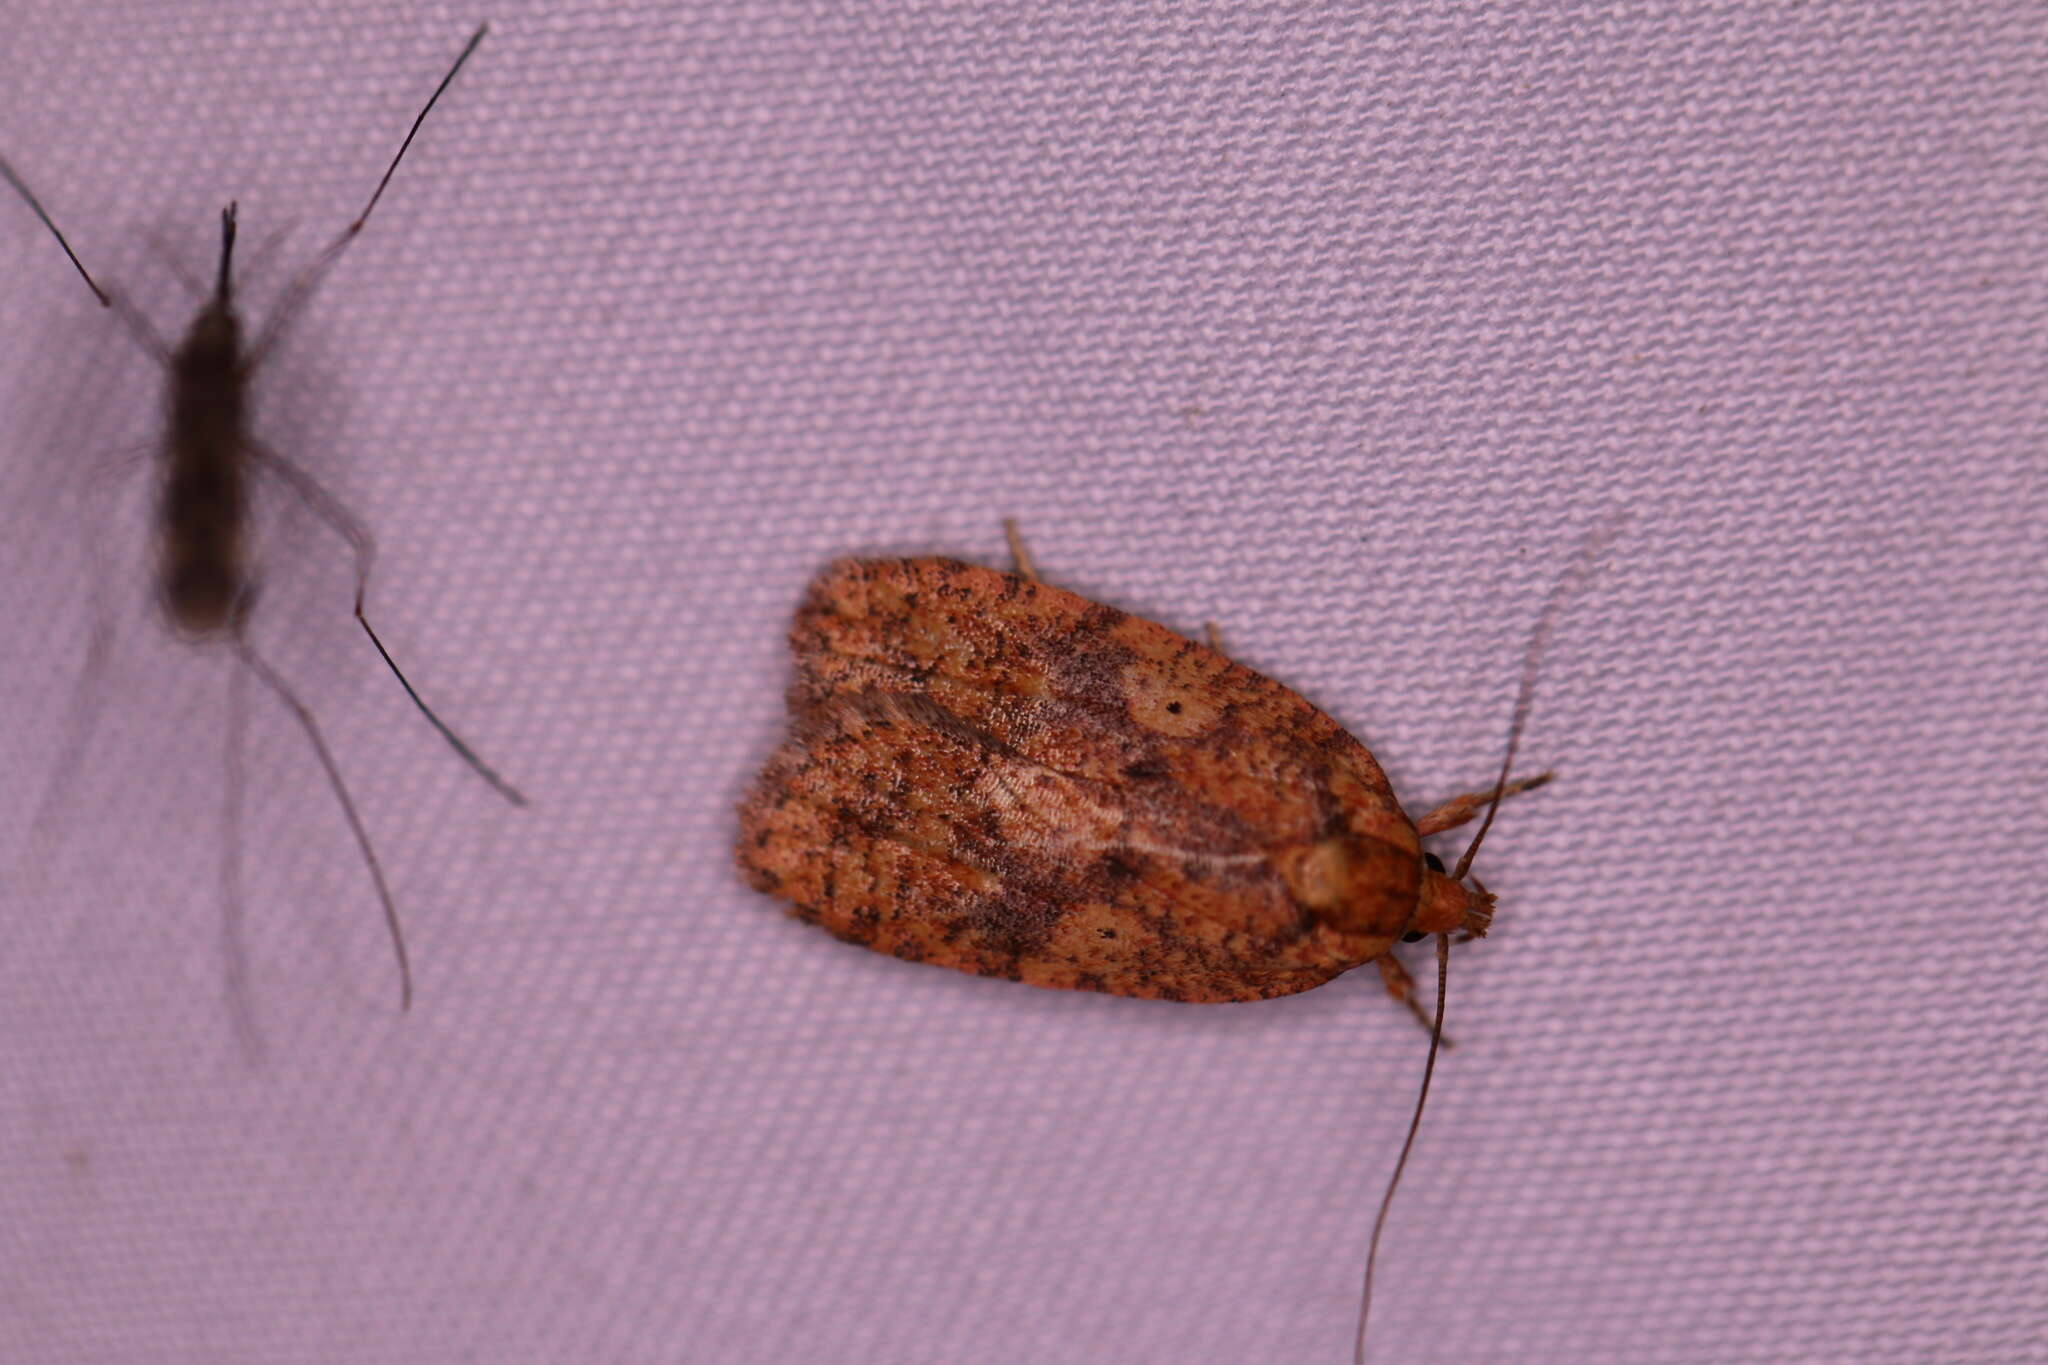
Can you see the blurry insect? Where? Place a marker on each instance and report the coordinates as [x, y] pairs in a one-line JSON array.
[[207, 582]]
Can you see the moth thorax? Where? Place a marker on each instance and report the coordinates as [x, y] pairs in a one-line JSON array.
[[1352, 883], [1448, 907]]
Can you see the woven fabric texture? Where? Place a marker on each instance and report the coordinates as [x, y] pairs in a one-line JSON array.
[[1337, 325]]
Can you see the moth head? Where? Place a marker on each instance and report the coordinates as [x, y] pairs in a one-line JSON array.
[[1446, 906]]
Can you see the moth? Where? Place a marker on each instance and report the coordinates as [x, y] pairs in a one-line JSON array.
[[989, 773]]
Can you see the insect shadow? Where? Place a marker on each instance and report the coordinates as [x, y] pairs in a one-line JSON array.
[[209, 465]]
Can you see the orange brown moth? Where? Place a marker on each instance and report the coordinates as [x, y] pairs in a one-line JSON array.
[[989, 773], [993, 774]]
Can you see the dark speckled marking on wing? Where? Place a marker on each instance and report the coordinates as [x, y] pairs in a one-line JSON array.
[[1000, 776], [1089, 690], [894, 824], [1074, 684], [997, 775]]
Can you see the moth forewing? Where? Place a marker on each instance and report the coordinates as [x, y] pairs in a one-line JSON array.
[[990, 773]]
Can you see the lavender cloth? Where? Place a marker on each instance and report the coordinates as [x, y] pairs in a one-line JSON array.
[[1337, 326]]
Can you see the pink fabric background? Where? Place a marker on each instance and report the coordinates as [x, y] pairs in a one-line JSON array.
[[1337, 327]]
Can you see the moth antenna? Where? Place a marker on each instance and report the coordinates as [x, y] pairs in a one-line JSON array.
[[1379, 1224], [302, 288], [21, 188], [311, 727], [1590, 551]]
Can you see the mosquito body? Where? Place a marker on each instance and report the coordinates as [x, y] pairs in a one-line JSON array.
[[210, 460], [204, 578]]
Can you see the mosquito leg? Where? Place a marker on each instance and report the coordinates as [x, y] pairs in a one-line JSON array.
[[234, 942], [343, 523], [81, 723], [28, 195], [137, 325], [301, 290], [82, 710], [311, 727]]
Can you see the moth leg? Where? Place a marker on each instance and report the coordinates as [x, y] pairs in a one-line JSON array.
[[1215, 636], [1401, 986], [1459, 809], [1018, 554]]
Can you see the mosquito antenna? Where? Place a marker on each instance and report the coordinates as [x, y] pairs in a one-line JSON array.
[[1590, 550], [21, 188], [311, 727], [301, 289], [1379, 1224]]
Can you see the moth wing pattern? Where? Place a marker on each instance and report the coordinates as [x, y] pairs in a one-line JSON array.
[[1073, 683], [994, 774]]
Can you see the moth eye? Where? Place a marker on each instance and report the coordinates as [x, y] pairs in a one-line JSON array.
[[1436, 864], [1416, 935]]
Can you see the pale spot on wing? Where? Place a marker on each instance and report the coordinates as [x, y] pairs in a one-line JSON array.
[[1084, 819]]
